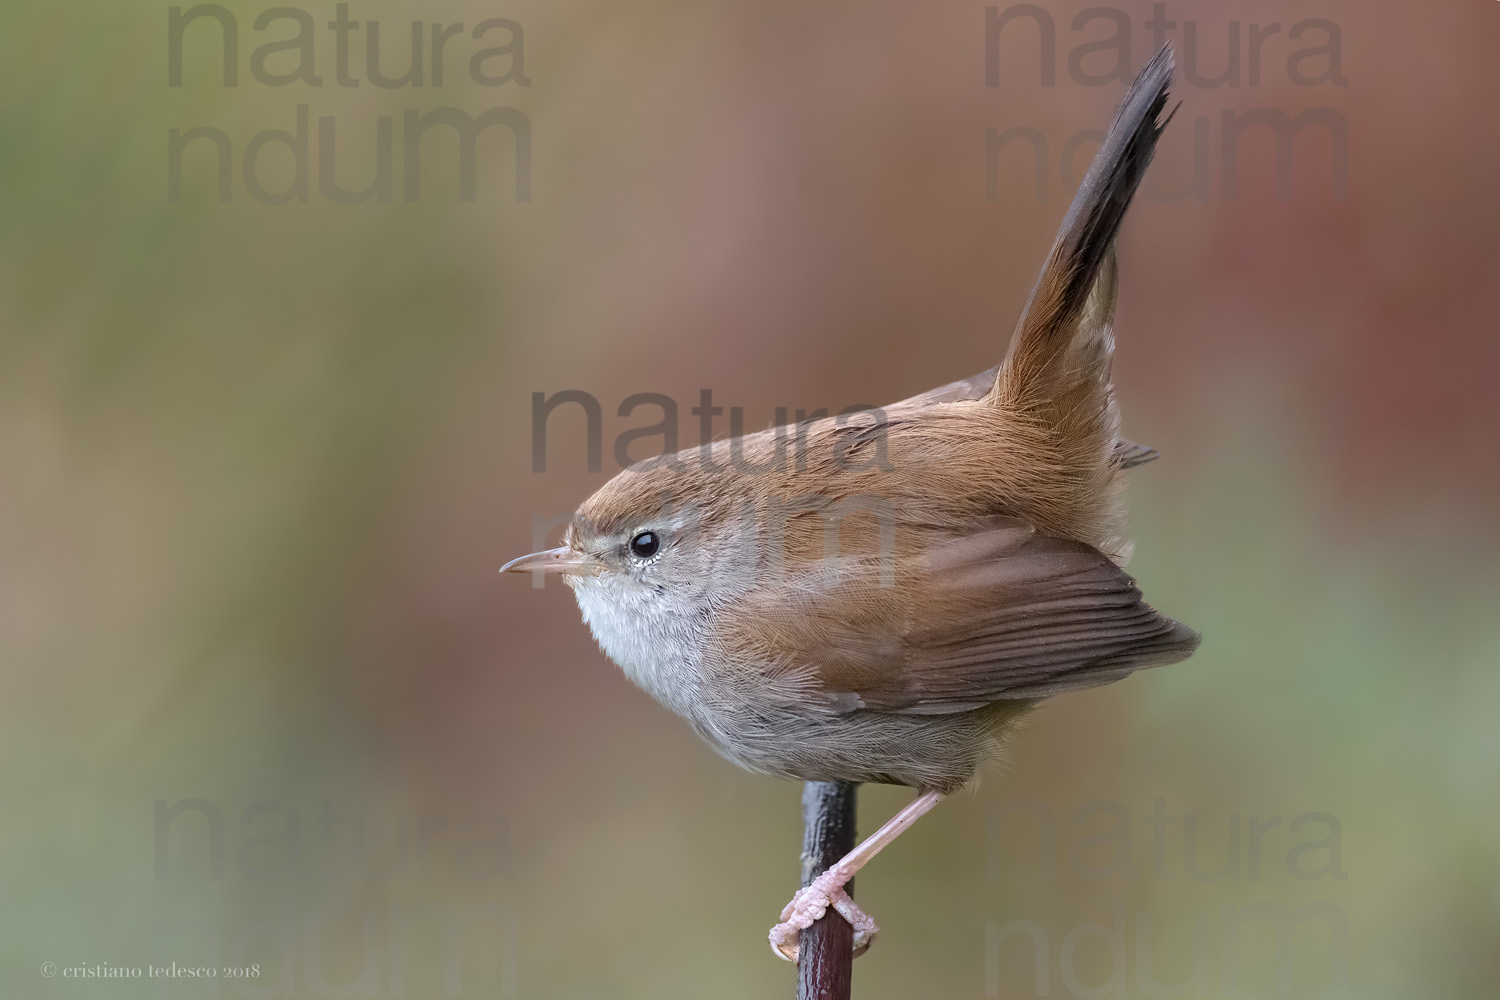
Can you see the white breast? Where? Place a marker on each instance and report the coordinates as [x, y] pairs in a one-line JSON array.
[[657, 644]]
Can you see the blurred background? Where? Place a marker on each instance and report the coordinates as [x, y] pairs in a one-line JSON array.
[[266, 702]]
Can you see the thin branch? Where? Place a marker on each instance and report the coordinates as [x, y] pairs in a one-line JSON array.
[[826, 951]]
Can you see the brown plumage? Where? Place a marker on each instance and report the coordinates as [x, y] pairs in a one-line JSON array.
[[880, 598]]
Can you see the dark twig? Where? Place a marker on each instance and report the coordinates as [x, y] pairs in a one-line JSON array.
[[826, 952]]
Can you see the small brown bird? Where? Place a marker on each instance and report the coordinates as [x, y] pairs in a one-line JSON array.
[[881, 598]]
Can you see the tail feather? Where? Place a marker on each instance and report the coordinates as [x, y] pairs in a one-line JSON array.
[[1063, 338]]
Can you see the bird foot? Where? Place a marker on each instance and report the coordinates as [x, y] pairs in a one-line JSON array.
[[809, 905]]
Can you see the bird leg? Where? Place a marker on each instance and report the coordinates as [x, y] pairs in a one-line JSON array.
[[811, 902]]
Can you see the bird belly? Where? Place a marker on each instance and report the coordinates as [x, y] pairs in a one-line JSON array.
[[942, 752]]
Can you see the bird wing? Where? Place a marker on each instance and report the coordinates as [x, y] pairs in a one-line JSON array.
[[959, 621]]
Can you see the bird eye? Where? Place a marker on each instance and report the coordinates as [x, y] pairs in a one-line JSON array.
[[645, 544]]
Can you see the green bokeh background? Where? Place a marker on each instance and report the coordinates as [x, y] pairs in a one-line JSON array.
[[259, 464]]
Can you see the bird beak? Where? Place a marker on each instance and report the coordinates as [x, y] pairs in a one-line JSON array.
[[559, 560]]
